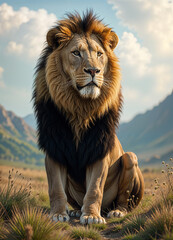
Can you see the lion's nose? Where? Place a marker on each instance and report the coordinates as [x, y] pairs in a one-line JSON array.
[[91, 71]]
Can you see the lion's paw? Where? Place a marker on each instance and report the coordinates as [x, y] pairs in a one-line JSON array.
[[90, 219], [116, 213], [60, 217], [74, 213]]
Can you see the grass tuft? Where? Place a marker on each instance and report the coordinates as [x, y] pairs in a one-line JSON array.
[[118, 227], [98, 226], [159, 224], [134, 224], [129, 236], [82, 233], [12, 195], [30, 223]]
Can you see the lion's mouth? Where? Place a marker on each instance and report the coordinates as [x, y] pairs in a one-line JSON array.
[[89, 84]]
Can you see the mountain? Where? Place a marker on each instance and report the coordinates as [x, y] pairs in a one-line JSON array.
[[150, 133], [30, 120], [17, 139]]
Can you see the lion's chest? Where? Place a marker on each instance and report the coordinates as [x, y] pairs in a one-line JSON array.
[[56, 139]]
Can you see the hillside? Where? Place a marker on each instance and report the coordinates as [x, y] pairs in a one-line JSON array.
[[16, 126], [30, 120], [17, 139], [150, 133]]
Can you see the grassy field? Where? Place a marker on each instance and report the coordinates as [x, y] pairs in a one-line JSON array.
[[24, 208]]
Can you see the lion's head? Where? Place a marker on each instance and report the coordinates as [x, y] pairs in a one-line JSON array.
[[78, 70]]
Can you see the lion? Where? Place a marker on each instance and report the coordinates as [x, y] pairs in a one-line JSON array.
[[78, 100]]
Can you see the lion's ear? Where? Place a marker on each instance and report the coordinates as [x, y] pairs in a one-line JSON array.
[[58, 36], [113, 40], [51, 38]]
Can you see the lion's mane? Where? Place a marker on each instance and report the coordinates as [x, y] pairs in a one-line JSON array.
[[74, 131]]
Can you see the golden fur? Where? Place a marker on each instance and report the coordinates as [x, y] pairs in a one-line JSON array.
[[77, 45]]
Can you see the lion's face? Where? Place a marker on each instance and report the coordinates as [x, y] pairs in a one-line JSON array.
[[85, 62]]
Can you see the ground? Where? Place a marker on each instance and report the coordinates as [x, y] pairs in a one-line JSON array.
[[25, 190]]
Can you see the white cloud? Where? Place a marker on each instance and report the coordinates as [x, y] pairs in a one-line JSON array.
[[13, 47], [133, 56], [10, 19], [25, 28], [152, 20], [131, 94], [163, 79]]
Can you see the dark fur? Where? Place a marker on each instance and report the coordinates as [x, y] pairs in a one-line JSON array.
[[55, 138]]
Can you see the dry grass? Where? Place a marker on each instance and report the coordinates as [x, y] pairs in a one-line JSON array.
[[30, 223], [152, 219]]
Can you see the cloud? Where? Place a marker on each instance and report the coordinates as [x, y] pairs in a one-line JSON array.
[[163, 78], [25, 28], [133, 56], [13, 47], [151, 20]]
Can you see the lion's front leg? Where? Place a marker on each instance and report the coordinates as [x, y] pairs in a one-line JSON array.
[[96, 175], [57, 177]]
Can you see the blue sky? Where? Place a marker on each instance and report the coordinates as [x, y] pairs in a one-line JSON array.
[[145, 48]]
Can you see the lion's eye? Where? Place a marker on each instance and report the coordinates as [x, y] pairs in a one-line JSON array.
[[99, 54], [76, 53]]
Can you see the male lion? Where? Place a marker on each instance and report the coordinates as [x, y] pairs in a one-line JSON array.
[[77, 99]]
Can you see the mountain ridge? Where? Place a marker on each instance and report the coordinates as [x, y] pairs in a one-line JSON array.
[[149, 133], [13, 124], [18, 139]]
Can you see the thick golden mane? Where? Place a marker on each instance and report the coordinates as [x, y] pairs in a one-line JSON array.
[[52, 83]]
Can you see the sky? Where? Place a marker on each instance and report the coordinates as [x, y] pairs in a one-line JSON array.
[[145, 48]]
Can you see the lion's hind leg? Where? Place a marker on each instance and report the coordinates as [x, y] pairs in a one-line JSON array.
[[130, 186]]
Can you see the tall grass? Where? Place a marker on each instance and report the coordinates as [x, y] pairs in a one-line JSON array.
[[31, 223], [13, 194], [158, 222], [134, 224]]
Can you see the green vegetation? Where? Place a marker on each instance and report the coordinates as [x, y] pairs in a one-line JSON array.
[[98, 226], [134, 224], [15, 149], [85, 233]]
